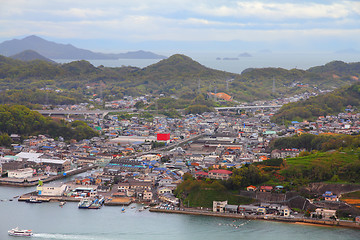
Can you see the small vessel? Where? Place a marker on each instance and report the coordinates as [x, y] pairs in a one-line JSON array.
[[123, 210], [33, 200], [18, 232], [91, 203], [62, 204], [85, 203], [141, 209]]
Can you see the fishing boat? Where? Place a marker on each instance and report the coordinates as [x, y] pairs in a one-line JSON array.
[[33, 200], [21, 233], [85, 203]]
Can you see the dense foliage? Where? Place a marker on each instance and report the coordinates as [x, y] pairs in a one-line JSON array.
[[322, 105], [329, 166], [201, 193], [178, 75], [21, 120], [322, 142]]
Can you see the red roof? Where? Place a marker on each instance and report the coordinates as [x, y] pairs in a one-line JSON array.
[[220, 171], [201, 173]]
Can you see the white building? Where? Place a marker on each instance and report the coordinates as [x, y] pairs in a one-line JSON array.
[[219, 206], [21, 173], [52, 189]]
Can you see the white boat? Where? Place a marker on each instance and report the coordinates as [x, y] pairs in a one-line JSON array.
[[62, 204], [18, 232]]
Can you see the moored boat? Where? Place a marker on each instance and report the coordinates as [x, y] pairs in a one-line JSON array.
[[33, 200], [18, 232], [85, 203]]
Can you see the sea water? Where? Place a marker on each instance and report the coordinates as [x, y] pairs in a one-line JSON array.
[[257, 60], [50, 221]]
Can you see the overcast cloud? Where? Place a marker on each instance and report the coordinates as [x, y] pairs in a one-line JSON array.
[[287, 22]]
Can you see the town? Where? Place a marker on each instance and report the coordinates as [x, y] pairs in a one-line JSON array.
[[143, 160]]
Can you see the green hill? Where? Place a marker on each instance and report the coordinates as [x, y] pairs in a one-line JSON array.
[[178, 75], [322, 105], [30, 55], [21, 120]]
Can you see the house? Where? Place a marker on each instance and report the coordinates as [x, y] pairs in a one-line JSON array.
[[163, 190], [201, 174], [123, 187], [147, 196], [251, 188], [220, 174], [165, 181], [170, 198], [219, 206], [324, 213], [329, 196], [285, 211], [266, 188]]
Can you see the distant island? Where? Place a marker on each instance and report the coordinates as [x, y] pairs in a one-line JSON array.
[[245, 54], [227, 58], [30, 55], [54, 50]]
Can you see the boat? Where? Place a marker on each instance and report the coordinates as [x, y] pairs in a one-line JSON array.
[[85, 203], [33, 200], [123, 210], [62, 204], [21, 233], [91, 203]]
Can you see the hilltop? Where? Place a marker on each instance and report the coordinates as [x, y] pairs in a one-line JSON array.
[[322, 105], [178, 75], [54, 50], [30, 55]]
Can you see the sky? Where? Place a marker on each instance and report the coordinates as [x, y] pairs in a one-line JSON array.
[[187, 25]]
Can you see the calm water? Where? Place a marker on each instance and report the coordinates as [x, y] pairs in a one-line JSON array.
[[258, 60], [49, 221]]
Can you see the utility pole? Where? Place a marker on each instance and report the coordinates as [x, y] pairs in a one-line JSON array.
[[273, 86], [199, 86]]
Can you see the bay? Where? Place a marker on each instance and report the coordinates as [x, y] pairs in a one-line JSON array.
[[50, 221], [257, 60]]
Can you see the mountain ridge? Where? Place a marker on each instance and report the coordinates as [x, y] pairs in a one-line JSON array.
[[53, 50]]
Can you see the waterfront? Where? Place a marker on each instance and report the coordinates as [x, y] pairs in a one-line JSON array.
[[49, 221]]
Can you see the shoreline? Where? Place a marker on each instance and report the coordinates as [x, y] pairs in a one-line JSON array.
[[300, 221]]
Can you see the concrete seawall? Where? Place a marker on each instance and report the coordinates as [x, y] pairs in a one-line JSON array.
[[262, 217]]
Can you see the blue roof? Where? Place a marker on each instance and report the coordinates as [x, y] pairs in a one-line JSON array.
[[160, 169]]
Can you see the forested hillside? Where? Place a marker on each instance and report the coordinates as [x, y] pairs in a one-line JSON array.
[[322, 105], [21, 120], [178, 75]]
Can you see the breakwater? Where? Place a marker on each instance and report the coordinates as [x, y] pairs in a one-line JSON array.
[[293, 220]]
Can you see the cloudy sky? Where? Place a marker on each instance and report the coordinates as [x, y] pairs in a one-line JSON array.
[[202, 25]]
